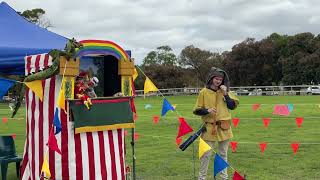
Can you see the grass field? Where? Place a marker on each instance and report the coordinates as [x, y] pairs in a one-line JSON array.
[[157, 156]]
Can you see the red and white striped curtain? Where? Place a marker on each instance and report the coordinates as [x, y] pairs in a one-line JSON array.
[[85, 156]]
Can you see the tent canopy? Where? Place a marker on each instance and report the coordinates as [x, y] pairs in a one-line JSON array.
[[20, 38]]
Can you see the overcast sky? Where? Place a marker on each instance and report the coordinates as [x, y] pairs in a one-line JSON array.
[[144, 25]]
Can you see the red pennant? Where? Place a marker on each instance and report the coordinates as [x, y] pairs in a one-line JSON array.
[[255, 107], [133, 107], [156, 119], [263, 147], [235, 122], [178, 141], [4, 120], [299, 121], [135, 136], [135, 116], [52, 142], [266, 122], [125, 133], [237, 176], [184, 127], [133, 88], [295, 147], [14, 136], [234, 146]]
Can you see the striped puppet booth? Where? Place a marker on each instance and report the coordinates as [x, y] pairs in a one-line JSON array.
[[90, 144]]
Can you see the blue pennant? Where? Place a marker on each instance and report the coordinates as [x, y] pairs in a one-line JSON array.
[[166, 106], [219, 165], [56, 121]]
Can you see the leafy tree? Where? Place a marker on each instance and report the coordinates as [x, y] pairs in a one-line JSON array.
[[199, 60], [36, 16], [162, 56]]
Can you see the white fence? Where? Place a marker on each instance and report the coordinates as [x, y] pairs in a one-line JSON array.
[[243, 91]]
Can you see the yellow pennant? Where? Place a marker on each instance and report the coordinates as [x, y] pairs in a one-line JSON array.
[[135, 74], [62, 97], [203, 147], [36, 87], [45, 167], [149, 86]]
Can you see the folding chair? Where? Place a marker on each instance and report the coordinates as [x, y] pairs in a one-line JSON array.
[[8, 155]]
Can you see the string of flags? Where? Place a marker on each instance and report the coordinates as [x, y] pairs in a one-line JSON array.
[[266, 122], [263, 145]]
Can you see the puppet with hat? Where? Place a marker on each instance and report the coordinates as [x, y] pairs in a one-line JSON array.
[[81, 87]]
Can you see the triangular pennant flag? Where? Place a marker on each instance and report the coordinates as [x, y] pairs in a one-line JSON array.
[[135, 116], [62, 99], [299, 121], [290, 106], [234, 146], [14, 136], [166, 106], [263, 147], [203, 147], [45, 167], [156, 119], [135, 136], [266, 122], [281, 110], [149, 86], [52, 142], [135, 74], [219, 165], [132, 106], [237, 176], [56, 121], [4, 120], [184, 127], [36, 87], [295, 147], [255, 107], [5, 85], [235, 122], [178, 141]]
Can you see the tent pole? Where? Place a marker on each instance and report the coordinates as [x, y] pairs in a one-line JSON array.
[[133, 155]]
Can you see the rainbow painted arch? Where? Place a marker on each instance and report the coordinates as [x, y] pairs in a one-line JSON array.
[[101, 47]]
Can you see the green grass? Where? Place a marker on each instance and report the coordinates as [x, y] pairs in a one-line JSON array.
[[157, 156]]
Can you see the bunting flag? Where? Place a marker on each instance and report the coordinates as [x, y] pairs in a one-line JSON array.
[[299, 121], [290, 106], [156, 119], [45, 167], [281, 110], [237, 176], [52, 142], [5, 85], [235, 122], [219, 164], [36, 87], [149, 86], [14, 136], [263, 147], [255, 107], [184, 127], [266, 122], [56, 121], [203, 147], [135, 74], [166, 106], [4, 120], [234, 145], [295, 147], [61, 97], [136, 136]]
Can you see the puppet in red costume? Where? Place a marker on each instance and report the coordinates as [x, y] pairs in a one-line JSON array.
[[80, 89]]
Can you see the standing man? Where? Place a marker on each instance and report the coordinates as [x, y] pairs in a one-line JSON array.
[[213, 105]]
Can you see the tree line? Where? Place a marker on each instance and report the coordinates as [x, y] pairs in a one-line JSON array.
[[274, 60]]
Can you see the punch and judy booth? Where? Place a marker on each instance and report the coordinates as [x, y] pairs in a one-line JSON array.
[[65, 139]]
